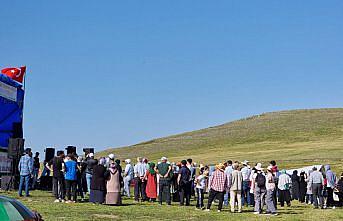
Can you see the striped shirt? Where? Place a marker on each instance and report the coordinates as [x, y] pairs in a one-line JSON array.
[[218, 181]]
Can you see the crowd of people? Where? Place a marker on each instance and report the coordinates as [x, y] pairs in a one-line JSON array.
[[234, 184]]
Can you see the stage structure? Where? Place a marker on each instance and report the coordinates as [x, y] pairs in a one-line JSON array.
[[11, 118]]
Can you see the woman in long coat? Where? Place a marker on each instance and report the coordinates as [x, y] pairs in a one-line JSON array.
[[98, 184], [151, 187], [302, 187], [295, 185], [113, 177]]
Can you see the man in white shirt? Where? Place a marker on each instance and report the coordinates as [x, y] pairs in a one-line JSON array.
[[246, 171], [140, 184], [228, 171]]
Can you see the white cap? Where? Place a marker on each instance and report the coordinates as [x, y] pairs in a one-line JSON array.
[[164, 158], [91, 155], [111, 156], [127, 161]]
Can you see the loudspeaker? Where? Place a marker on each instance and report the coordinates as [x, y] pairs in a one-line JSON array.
[[17, 130], [49, 153], [88, 150], [71, 149], [15, 147]]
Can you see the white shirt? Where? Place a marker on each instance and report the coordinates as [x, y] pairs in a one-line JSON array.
[[139, 169], [246, 171], [201, 182]]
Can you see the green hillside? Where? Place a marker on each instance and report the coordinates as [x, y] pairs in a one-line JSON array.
[[292, 138]]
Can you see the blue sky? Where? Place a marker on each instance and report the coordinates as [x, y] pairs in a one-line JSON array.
[[114, 73]]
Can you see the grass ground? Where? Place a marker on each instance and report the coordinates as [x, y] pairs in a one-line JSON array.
[[292, 138], [43, 202]]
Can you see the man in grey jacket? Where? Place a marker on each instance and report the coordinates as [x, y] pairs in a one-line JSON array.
[[317, 181], [235, 186]]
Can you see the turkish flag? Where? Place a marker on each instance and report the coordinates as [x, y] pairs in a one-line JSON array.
[[16, 74]]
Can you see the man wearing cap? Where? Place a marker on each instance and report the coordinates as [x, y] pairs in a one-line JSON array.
[[25, 168], [128, 176], [140, 184], [163, 170], [317, 181], [246, 171]]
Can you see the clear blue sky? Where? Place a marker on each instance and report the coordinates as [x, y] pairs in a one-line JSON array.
[[114, 73]]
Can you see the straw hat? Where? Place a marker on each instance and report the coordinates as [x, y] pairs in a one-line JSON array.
[[220, 166]]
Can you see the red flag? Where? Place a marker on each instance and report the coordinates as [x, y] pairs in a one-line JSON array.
[[16, 74]]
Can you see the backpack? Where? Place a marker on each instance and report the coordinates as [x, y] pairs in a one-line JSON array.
[[260, 180]]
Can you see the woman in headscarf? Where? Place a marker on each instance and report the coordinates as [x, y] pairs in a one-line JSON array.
[[98, 185], [302, 187], [295, 185], [113, 181], [151, 187]]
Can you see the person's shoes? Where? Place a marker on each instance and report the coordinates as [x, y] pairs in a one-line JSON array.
[[62, 200], [207, 210], [57, 201], [28, 196], [219, 211], [20, 195], [232, 211], [239, 211], [68, 201], [257, 213], [274, 214], [196, 208]]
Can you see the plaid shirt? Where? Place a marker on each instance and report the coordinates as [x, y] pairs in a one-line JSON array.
[[218, 181], [25, 166]]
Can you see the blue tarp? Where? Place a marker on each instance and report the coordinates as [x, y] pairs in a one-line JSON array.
[[10, 111]]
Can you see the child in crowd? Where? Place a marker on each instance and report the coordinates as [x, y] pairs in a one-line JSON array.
[[200, 182]]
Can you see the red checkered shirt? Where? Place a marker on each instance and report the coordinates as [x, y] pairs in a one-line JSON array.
[[218, 181]]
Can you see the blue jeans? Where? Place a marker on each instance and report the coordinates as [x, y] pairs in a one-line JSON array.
[[24, 179], [127, 182], [246, 193], [226, 198], [89, 180]]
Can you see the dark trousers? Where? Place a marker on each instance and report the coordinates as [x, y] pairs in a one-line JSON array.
[[200, 198], [164, 190], [213, 195], [59, 187], [140, 189], [185, 193], [71, 189], [79, 188], [330, 201], [317, 190], [284, 195]]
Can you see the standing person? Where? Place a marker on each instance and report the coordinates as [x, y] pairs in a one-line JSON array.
[[90, 162], [284, 186], [270, 187], [295, 185], [113, 195], [302, 186], [330, 185], [151, 186], [218, 185], [25, 168], [200, 188], [56, 165], [36, 166], [228, 171], [309, 194], [140, 184], [185, 183], [246, 171], [235, 186], [164, 171], [81, 167], [128, 176], [98, 185], [317, 181], [192, 167], [70, 168], [259, 188], [339, 190]]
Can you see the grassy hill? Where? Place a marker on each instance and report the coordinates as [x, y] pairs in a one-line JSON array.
[[292, 138]]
